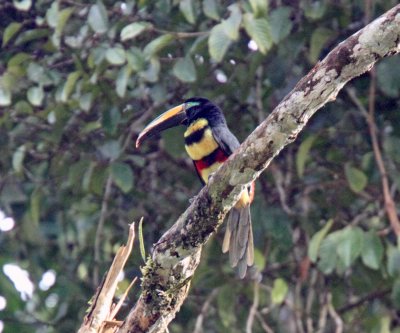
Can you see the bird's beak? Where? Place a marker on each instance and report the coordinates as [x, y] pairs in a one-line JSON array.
[[173, 117]]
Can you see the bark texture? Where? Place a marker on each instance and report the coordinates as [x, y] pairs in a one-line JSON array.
[[167, 275]]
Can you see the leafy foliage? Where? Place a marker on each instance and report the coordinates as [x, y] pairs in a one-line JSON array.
[[79, 80]]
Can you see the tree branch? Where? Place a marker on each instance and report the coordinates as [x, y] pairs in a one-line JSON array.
[[198, 328], [175, 257], [253, 309]]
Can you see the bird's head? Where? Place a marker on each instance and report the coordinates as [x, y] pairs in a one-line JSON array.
[[183, 114]]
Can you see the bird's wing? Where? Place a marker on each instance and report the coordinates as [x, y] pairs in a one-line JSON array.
[[225, 139]]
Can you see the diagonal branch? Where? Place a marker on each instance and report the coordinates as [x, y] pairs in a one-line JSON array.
[[167, 275]]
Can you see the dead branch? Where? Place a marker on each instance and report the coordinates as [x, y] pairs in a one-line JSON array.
[[101, 314]]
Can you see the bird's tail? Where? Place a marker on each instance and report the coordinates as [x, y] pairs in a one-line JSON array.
[[239, 239]]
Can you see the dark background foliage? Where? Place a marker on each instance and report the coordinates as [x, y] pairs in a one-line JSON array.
[[80, 79]]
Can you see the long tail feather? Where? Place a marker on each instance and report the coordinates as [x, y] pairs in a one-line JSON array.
[[239, 239]]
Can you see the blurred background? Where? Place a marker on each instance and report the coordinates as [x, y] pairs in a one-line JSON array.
[[80, 79]]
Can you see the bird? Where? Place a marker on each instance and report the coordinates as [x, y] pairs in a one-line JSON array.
[[209, 143]]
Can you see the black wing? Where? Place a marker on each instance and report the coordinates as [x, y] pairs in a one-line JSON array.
[[225, 139]]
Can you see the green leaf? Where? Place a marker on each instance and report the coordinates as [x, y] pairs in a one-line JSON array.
[[259, 260], [184, 70], [303, 154], [52, 15], [218, 43], [75, 172], [35, 96], [280, 23], [135, 59], [210, 9], [279, 291], [30, 35], [110, 150], [9, 78], [34, 208], [391, 146], [327, 252], [111, 119], [186, 8], [23, 107], [98, 179], [122, 80], [116, 56], [37, 73], [372, 253], [385, 324], [316, 240], [393, 261], [157, 45], [69, 86], [18, 59], [226, 305], [87, 176], [259, 31], [141, 240], [23, 5], [132, 30], [12, 76], [85, 101], [5, 96], [18, 159], [350, 245], [97, 18], [259, 7], [91, 126], [388, 74], [314, 10], [356, 178], [12, 193], [97, 55], [11, 30], [152, 71], [395, 296], [122, 176], [318, 40], [62, 20], [232, 24]]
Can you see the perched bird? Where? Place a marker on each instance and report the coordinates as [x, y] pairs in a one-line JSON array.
[[209, 143]]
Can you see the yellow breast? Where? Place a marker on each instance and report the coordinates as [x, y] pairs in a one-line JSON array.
[[205, 173], [205, 146], [202, 148]]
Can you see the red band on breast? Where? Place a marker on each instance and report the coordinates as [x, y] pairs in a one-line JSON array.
[[217, 155]]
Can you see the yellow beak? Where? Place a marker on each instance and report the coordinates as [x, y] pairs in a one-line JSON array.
[[173, 117]]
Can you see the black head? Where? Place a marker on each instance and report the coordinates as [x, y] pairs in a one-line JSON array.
[[199, 107], [186, 113]]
